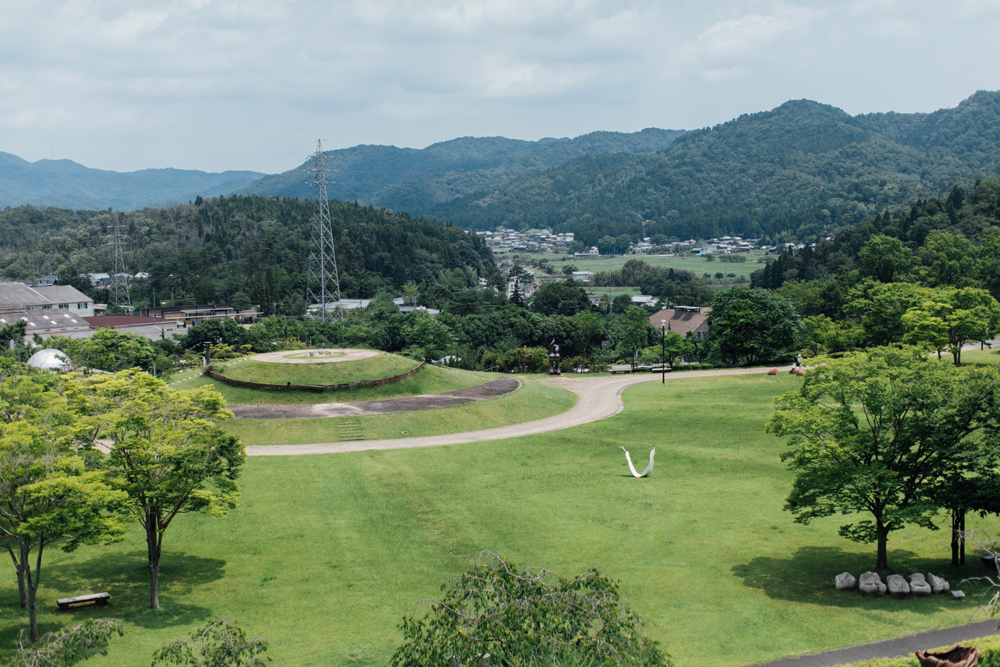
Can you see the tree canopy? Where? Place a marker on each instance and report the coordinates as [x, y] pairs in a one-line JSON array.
[[878, 433]]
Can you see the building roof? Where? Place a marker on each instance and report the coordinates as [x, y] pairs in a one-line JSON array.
[[62, 294], [116, 321], [682, 320], [49, 359], [16, 295]]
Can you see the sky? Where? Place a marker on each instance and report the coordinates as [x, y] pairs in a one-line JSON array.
[[252, 84]]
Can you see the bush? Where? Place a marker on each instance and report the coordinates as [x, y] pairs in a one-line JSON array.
[[527, 617]]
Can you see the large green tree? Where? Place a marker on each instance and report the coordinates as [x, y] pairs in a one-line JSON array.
[[879, 433], [750, 326], [168, 452], [49, 497], [566, 297]]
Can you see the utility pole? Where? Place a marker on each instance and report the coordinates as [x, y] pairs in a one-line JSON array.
[[324, 284], [119, 278]]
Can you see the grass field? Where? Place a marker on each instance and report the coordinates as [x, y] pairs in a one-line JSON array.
[[267, 372], [532, 401], [695, 264], [326, 553], [428, 380]]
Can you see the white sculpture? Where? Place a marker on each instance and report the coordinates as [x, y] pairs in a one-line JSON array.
[[844, 581], [871, 584], [919, 585], [938, 585], [631, 467], [897, 584]]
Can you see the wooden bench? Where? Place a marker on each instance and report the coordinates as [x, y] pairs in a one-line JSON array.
[[94, 598]]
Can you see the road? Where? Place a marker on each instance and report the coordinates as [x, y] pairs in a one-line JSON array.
[[598, 398]]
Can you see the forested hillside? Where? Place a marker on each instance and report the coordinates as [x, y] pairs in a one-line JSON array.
[[240, 249], [66, 184], [417, 180], [800, 171]]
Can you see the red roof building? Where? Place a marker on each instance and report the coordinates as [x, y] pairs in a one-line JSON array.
[[683, 319]]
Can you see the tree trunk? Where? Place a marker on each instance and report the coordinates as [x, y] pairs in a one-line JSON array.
[[153, 551], [961, 552], [955, 535], [881, 559], [957, 354]]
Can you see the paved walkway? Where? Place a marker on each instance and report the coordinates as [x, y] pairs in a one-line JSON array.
[[446, 399], [598, 398], [891, 648]]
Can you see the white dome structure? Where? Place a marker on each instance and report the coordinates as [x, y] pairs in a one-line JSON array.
[[50, 360]]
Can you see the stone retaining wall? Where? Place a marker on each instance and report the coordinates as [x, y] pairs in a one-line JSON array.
[[311, 387]]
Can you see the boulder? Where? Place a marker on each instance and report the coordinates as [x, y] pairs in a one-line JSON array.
[[799, 372], [897, 584], [919, 585], [845, 581], [773, 371], [870, 583], [938, 585]]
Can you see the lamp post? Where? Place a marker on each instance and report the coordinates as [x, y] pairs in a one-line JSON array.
[[663, 351]]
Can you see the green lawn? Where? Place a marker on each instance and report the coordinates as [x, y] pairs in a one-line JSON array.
[[695, 264], [326, 553], [382, 366], [532, 401], [428, 380]]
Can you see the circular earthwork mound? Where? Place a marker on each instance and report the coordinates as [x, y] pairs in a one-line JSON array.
[[317, 356]]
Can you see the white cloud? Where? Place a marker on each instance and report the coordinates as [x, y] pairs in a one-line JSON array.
[[218, 84]]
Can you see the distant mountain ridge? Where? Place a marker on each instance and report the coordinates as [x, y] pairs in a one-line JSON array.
[[67, 184], [801, 170], [418, 180]]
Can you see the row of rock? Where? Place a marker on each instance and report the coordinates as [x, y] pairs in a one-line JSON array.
[[871, 583]]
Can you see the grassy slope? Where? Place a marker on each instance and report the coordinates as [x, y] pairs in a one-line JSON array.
[[326, 553], [428, 380], [384, 365], [532, 401]]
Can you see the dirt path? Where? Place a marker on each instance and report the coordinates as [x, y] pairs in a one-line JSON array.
[[446, 399], [599, 398]]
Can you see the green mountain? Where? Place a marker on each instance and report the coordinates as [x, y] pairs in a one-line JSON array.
[[801, 170], [67, 184], [417, 180]]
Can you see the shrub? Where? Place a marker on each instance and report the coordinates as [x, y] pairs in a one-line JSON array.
[[498, 614]]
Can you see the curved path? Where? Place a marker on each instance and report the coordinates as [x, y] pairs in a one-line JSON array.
[[446, 399], [599, 398]]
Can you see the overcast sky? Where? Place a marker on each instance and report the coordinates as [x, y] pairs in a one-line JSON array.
[[251, 84]]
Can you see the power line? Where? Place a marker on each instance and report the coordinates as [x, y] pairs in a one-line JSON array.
[[323, 287]]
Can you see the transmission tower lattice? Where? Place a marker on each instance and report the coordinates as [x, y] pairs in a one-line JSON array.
[[324, 284], [119, 277]]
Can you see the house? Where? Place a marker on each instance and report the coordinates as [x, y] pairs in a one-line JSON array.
[[583, 276], [643, 300], [682, 320]]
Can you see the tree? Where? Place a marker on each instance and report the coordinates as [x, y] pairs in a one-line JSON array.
[[885, 258], [431, 336], [167, 453], [953, 317], [879, 308], [876, 433], [108, 350], [523, 617], [750, 326], [566, 297], [47, 497], [69, 645], [630, 332], [220, 643]]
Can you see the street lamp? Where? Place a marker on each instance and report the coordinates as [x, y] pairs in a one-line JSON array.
[[663, 351]]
